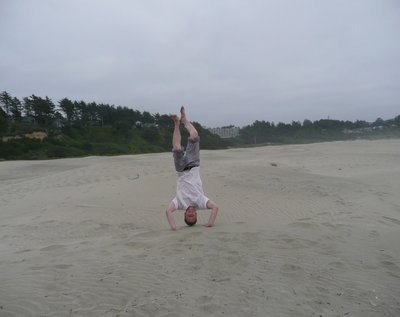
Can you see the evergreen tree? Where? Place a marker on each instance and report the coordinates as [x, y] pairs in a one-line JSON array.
[[6, 102], [16, 109], [28, 108], [147, 117], [3, 121], [68, 108], [397, 120], [42, 110]]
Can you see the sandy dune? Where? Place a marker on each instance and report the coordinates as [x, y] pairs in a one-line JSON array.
[[303, 230]]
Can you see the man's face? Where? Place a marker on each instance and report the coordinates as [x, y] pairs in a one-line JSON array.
[[191, 216]]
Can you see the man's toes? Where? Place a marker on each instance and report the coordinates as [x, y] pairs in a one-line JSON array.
[[174, 117]]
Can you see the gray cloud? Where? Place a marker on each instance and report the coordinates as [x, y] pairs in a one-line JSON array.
[[228, 61]]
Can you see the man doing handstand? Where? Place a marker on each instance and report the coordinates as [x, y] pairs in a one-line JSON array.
[[189, 188]]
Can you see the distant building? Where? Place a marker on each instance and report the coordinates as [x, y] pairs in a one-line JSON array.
[[140, 124], [362, 130], [225, 132]]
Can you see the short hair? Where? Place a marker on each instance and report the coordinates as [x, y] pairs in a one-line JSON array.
[[190, 223]]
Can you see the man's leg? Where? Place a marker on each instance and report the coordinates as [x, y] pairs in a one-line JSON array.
[[193, 145], [176, 137], [178, 153], [191, 129]]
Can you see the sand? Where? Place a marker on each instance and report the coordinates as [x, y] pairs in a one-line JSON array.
[[303, 230]]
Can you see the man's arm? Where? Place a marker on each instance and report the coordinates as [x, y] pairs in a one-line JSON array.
[[214, 211], [170, 217]]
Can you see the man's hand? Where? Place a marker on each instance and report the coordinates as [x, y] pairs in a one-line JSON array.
[[214, 211], [170, 217]]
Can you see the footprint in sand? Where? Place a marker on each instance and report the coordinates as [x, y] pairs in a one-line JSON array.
[[54, 247], [291, 269], [373, 233], [389, 263], [305, 225], [392, 268], [337, 265], [393, 220], [286, 242], [63, 266], [304, 219]]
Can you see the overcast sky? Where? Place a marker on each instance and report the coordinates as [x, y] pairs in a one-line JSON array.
[[228, 61]]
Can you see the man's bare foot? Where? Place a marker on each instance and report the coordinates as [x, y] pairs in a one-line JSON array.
[[175, 118], [183, 115]]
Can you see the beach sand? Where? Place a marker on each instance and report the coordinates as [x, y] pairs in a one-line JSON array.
[[303, 230]]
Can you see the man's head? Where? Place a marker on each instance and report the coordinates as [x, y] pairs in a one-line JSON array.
[[190, 216]]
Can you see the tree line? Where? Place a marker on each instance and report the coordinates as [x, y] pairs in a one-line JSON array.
[[44, 112], [78, 128], [261, 132]]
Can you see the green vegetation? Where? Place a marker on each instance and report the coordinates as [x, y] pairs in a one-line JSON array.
[[261, 132], [76, 128]]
